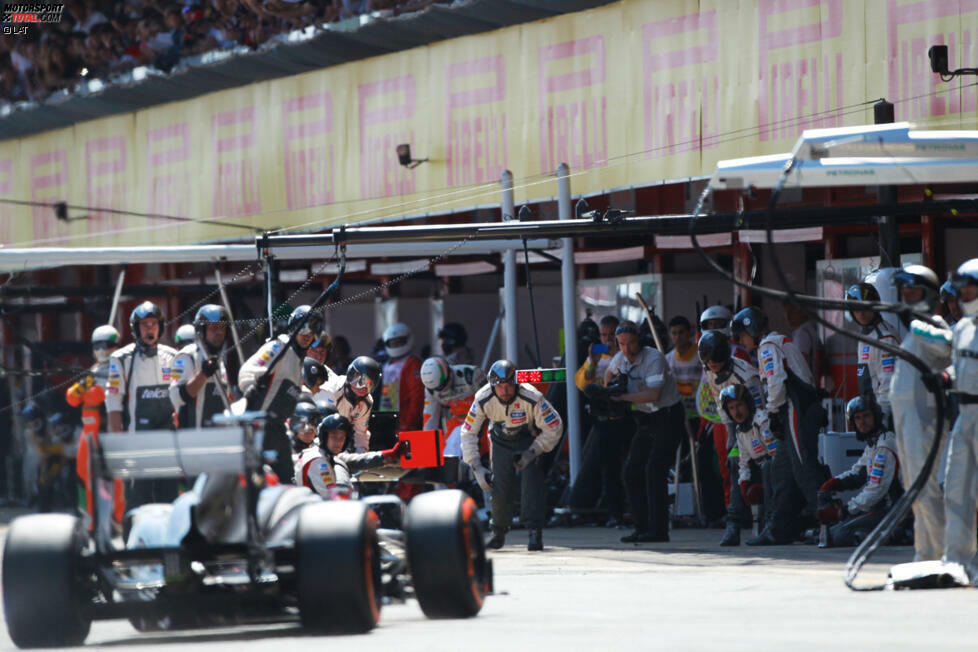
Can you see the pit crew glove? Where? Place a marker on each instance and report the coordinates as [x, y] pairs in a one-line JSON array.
[[832, 484], [525, 458], [483, 477], [753, 492], [394, 453], [209, 366], [832, 514], [936, 382], [777, 424]]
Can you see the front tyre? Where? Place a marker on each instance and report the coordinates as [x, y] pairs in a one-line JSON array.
[[446, 554]]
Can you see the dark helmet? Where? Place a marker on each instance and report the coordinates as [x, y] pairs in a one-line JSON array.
[[750, 320], [210, 314], [501, 371], [738, 392], [863, 292], [453, 336], [325, 408], [335, 421], [312, 326], [140, 312], [588, 331], [313, 372], [714, 346], [305, 412], [861, 404], [363, 372], [32, 416]]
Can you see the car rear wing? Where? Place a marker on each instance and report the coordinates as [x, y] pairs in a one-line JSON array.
[[175, 453]]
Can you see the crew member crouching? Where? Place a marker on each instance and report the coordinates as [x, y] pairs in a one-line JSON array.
[[328, 469], [875, 472]]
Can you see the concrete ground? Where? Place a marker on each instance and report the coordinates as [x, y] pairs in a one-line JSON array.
[[588, 591]]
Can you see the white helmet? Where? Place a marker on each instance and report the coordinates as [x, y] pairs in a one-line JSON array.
[[716, 312], [966, 274], [105, 340], [398, 331], [435, 373], [923, 278], [185, 335]]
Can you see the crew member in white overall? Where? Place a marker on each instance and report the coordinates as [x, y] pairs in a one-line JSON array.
[[449, 390], [875, 365], [721, 369], [328, 468], [961, 481], [199, 377], [351, 396], [138, 395], [915, 410], [278, 392], [873, 473], [402, 389], [794, 414], [522, 427]]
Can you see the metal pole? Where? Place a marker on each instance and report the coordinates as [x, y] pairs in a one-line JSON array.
[[569, 296], [889, 232], [509, 272], [227, 306], [268, 295], [115, 297]]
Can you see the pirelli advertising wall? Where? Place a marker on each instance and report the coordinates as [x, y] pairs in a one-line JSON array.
[[629, 94]]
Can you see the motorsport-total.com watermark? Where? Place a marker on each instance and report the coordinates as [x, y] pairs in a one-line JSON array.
[[17, 16]]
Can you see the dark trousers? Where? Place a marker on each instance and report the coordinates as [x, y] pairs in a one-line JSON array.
[[795, 473], [601, 466], [275, 444], [843, 534], [530, 486], [652, 453]]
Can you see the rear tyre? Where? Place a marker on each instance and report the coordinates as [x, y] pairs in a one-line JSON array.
[[446, 554], [338, 578], [45, 600]]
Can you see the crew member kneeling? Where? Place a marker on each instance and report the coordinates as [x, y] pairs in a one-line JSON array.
[[328, 469], [874, 472], [522, 426]]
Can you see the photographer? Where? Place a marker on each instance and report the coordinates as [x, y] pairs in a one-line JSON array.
[[611, 431], [658, 412]]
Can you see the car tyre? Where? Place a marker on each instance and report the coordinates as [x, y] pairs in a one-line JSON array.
[[446, 554], [45, 601], [338, 577]]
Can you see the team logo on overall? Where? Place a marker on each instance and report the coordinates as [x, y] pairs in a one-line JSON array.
[[166, 374], [517, 417], [887, 363], [757, 447], [549, 416], [864, 353]]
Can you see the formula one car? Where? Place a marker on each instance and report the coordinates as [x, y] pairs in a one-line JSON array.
[[234, 550]]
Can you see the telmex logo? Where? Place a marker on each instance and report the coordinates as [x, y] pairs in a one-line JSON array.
[[151, 393]]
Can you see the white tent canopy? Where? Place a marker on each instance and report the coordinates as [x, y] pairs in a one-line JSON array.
[[890, 154]]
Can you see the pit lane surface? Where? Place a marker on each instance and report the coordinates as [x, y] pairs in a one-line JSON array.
[[586, 591]]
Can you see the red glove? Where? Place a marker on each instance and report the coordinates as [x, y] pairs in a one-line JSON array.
[[753, 492], [393, 454], [833, 514], [832, 484]]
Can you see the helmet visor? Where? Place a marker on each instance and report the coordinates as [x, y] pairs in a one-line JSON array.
[[361, 381]]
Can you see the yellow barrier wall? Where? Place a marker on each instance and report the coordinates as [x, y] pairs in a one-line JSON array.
[[628, 94]]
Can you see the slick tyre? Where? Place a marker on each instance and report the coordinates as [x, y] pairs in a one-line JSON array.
[[338, 578], [45, 600], [446, 554]]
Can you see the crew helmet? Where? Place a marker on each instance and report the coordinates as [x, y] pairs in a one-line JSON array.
[[335, 421], [713, 313], [924, 278], [501, 371], [750, 320], [363, 372], [436, 373], [139, 313], [737, 392], [714, 346], [862, 404], [105, 339], [184, 335], [398, 340], [862, 291], [312, 326], [452, 336], [965, 275], [210, 314], [313, 372]]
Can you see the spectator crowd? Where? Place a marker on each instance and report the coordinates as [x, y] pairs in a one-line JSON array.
[[98, 38]]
